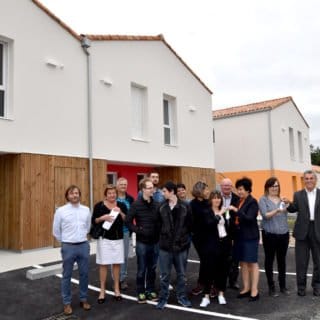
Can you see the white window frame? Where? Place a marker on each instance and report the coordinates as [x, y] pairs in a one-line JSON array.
[[172, 120], [114, 176], [291, 143], [300, 146], [4, 84], [139, 111]]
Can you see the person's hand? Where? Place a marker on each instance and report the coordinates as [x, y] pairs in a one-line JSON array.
[[285, 200], [233, 208], [108, 218]]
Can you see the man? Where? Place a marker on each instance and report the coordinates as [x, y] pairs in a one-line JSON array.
[[306, 231], [127, 200], [71, 225], [175, 222], [230, 198], [157, 193], [144, 212], [182, 192]]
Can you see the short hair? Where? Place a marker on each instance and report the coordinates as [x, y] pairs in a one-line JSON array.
[[244, 182], [151, 172], [121, 179], [170, 186], [269, 183], [310, 172], [216, 194], [181, 185], [109, 187], [71, 188], [143, 182], [198, 189]]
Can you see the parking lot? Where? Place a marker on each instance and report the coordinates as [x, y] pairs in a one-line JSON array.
[[23, 299]]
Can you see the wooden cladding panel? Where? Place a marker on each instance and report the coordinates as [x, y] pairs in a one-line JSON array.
[[187, 175], [29, 184], [10, 221]]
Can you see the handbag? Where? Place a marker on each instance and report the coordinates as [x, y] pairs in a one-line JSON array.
[[96, 231]]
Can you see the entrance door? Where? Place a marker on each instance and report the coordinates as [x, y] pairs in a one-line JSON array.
[[64, 177]]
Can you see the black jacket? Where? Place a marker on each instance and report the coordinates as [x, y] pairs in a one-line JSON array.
[[144, 214], [116, 230], [247, 229], [175, 226]]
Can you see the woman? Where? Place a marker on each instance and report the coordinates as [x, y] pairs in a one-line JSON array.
[[110, 249], [275, 234], [199, 205], [216, 249], [246, 240]]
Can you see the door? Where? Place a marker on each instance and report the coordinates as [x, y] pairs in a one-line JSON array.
[[64, 177]]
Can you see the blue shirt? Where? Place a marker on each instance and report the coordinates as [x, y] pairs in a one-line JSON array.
[[278, 224], [71, 223]]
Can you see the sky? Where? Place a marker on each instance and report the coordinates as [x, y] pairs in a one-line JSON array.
[[245, 51]]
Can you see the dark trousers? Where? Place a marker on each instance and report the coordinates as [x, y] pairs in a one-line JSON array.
[[302, 251], [216, 266], [197, 246], [233, 270], [147, 257], [275, 245]]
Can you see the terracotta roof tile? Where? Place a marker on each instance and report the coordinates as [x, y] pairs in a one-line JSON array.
[[250, 108]]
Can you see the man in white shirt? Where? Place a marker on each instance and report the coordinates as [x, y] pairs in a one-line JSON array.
[[71, 225], [306, 203]]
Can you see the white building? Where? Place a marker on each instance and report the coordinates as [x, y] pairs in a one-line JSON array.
[[260, 140], [148, 110]]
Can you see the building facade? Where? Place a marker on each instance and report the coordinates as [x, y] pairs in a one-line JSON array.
[[260, 140]]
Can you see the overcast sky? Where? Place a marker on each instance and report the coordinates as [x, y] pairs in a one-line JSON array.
[[245, 51]]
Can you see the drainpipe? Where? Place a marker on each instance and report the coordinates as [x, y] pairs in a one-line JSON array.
[[270, 144], [86, 44]]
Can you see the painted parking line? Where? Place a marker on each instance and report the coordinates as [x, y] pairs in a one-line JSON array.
[[169, 306], [261, 270]]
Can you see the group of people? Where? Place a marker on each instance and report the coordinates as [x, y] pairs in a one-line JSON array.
[[222, 225]]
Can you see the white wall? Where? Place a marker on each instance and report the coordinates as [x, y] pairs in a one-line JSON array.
[[284, 117], [152, 65], [242, 143], [48, 106]]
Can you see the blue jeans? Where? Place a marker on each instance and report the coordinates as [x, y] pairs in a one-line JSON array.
[[79, 253], [178, 260], [146, 267], [124, 266]]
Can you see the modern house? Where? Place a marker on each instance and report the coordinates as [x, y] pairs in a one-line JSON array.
[[260, 140], [85, 110]]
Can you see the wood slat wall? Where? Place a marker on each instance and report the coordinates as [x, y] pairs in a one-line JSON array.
[[29, 189], [187, 175]]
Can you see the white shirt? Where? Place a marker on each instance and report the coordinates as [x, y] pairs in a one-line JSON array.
[[311, 200], [222, 228], [71, 223], [226, 200]]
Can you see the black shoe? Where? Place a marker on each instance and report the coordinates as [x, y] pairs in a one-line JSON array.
[[101, 300], [301, 292], [255, 298], [316, 292], [285, 291], [272, 292], [244, 295]]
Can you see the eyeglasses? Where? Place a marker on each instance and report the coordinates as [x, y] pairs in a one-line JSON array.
[[275, 186]]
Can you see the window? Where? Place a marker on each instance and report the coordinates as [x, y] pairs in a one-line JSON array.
[[112, 178], [139, 111], [3, 78], [300, 146], [169, 120], [291, 144]]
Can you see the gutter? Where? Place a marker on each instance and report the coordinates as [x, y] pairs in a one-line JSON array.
[[86, 44]]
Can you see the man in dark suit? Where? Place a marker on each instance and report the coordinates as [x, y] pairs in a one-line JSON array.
[[306, 231], [230, 198]]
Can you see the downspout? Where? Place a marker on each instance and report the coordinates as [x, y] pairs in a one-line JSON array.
[[270, 144], [86, 44]]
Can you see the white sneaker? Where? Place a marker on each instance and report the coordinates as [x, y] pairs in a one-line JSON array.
[[204, 302], [170, 287], [222, 299]]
